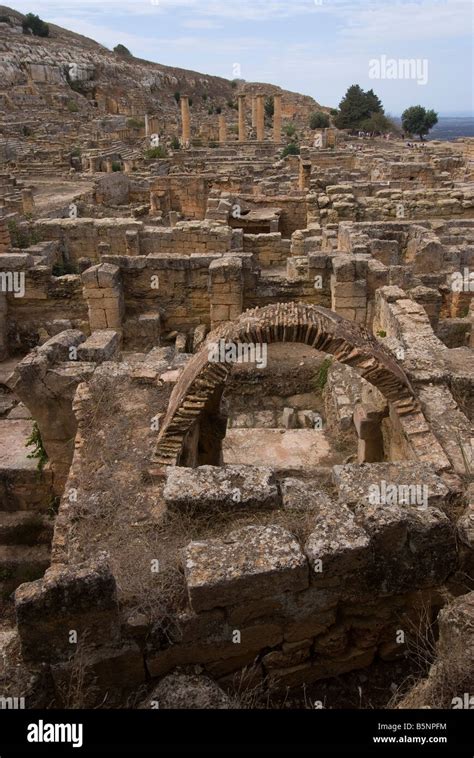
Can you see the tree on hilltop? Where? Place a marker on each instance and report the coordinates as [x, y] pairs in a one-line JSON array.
[[356, 107], [32, 24], [122, 50], [417, 120]]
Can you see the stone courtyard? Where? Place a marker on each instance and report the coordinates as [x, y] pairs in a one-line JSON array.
[[247, 383]]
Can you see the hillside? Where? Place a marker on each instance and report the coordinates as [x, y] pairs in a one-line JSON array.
[[49, 73]]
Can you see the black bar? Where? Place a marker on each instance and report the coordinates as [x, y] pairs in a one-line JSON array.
[[307, 732]]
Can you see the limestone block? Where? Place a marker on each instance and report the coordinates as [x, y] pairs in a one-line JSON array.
[[114, 320], [252, 562], [16, 261], [90, 278], [97, 319], [337, 545], [100, 346], [310, 612], [291, 654], [356, 483], [82, 597], [221, 487], [220, 313], [344, 268], [356, 290], [108, 276]]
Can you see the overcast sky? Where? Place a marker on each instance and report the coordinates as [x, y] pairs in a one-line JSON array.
[[317, 47]]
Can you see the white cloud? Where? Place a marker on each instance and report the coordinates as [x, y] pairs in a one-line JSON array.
[[416, 20]]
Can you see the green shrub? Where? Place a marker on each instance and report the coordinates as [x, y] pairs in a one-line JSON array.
[[156, 152], [32, 23], [381, 333], [78, 87], [321, 377], [205, 96], [218, 110], [39, 452], [76, 152], [290, 149], [72, 106], [177, 96], [20, 236], [289, 130], [269, 107], [319, 120], [135, 123], [175, 143], [122, 50], [116, 166], [233, 84], [213, 144]]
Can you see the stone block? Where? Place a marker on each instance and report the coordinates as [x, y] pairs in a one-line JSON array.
[[337, 546], [221, 487], [82, 598], [253, 562], [100, 346]]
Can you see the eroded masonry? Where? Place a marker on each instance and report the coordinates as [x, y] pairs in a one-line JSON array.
[[247, 384]]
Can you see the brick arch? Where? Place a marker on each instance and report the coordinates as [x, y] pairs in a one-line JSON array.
[[201, 383]]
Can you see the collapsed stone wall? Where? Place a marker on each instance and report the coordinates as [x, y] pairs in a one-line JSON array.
[[292, 609]]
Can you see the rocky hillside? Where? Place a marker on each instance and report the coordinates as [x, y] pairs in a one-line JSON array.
[[52, 72]]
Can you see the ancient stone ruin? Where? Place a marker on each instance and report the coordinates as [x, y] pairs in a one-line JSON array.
[[246, 381]]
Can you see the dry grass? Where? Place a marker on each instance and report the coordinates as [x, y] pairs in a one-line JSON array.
[[77, 689], [436, 680]]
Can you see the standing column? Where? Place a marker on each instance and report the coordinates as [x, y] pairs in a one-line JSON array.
[[27, 200], [277, 119], [304, 181], [147, 126], [254, 112], [260, 118], [222, 129], [186, 121], [242, 129]]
